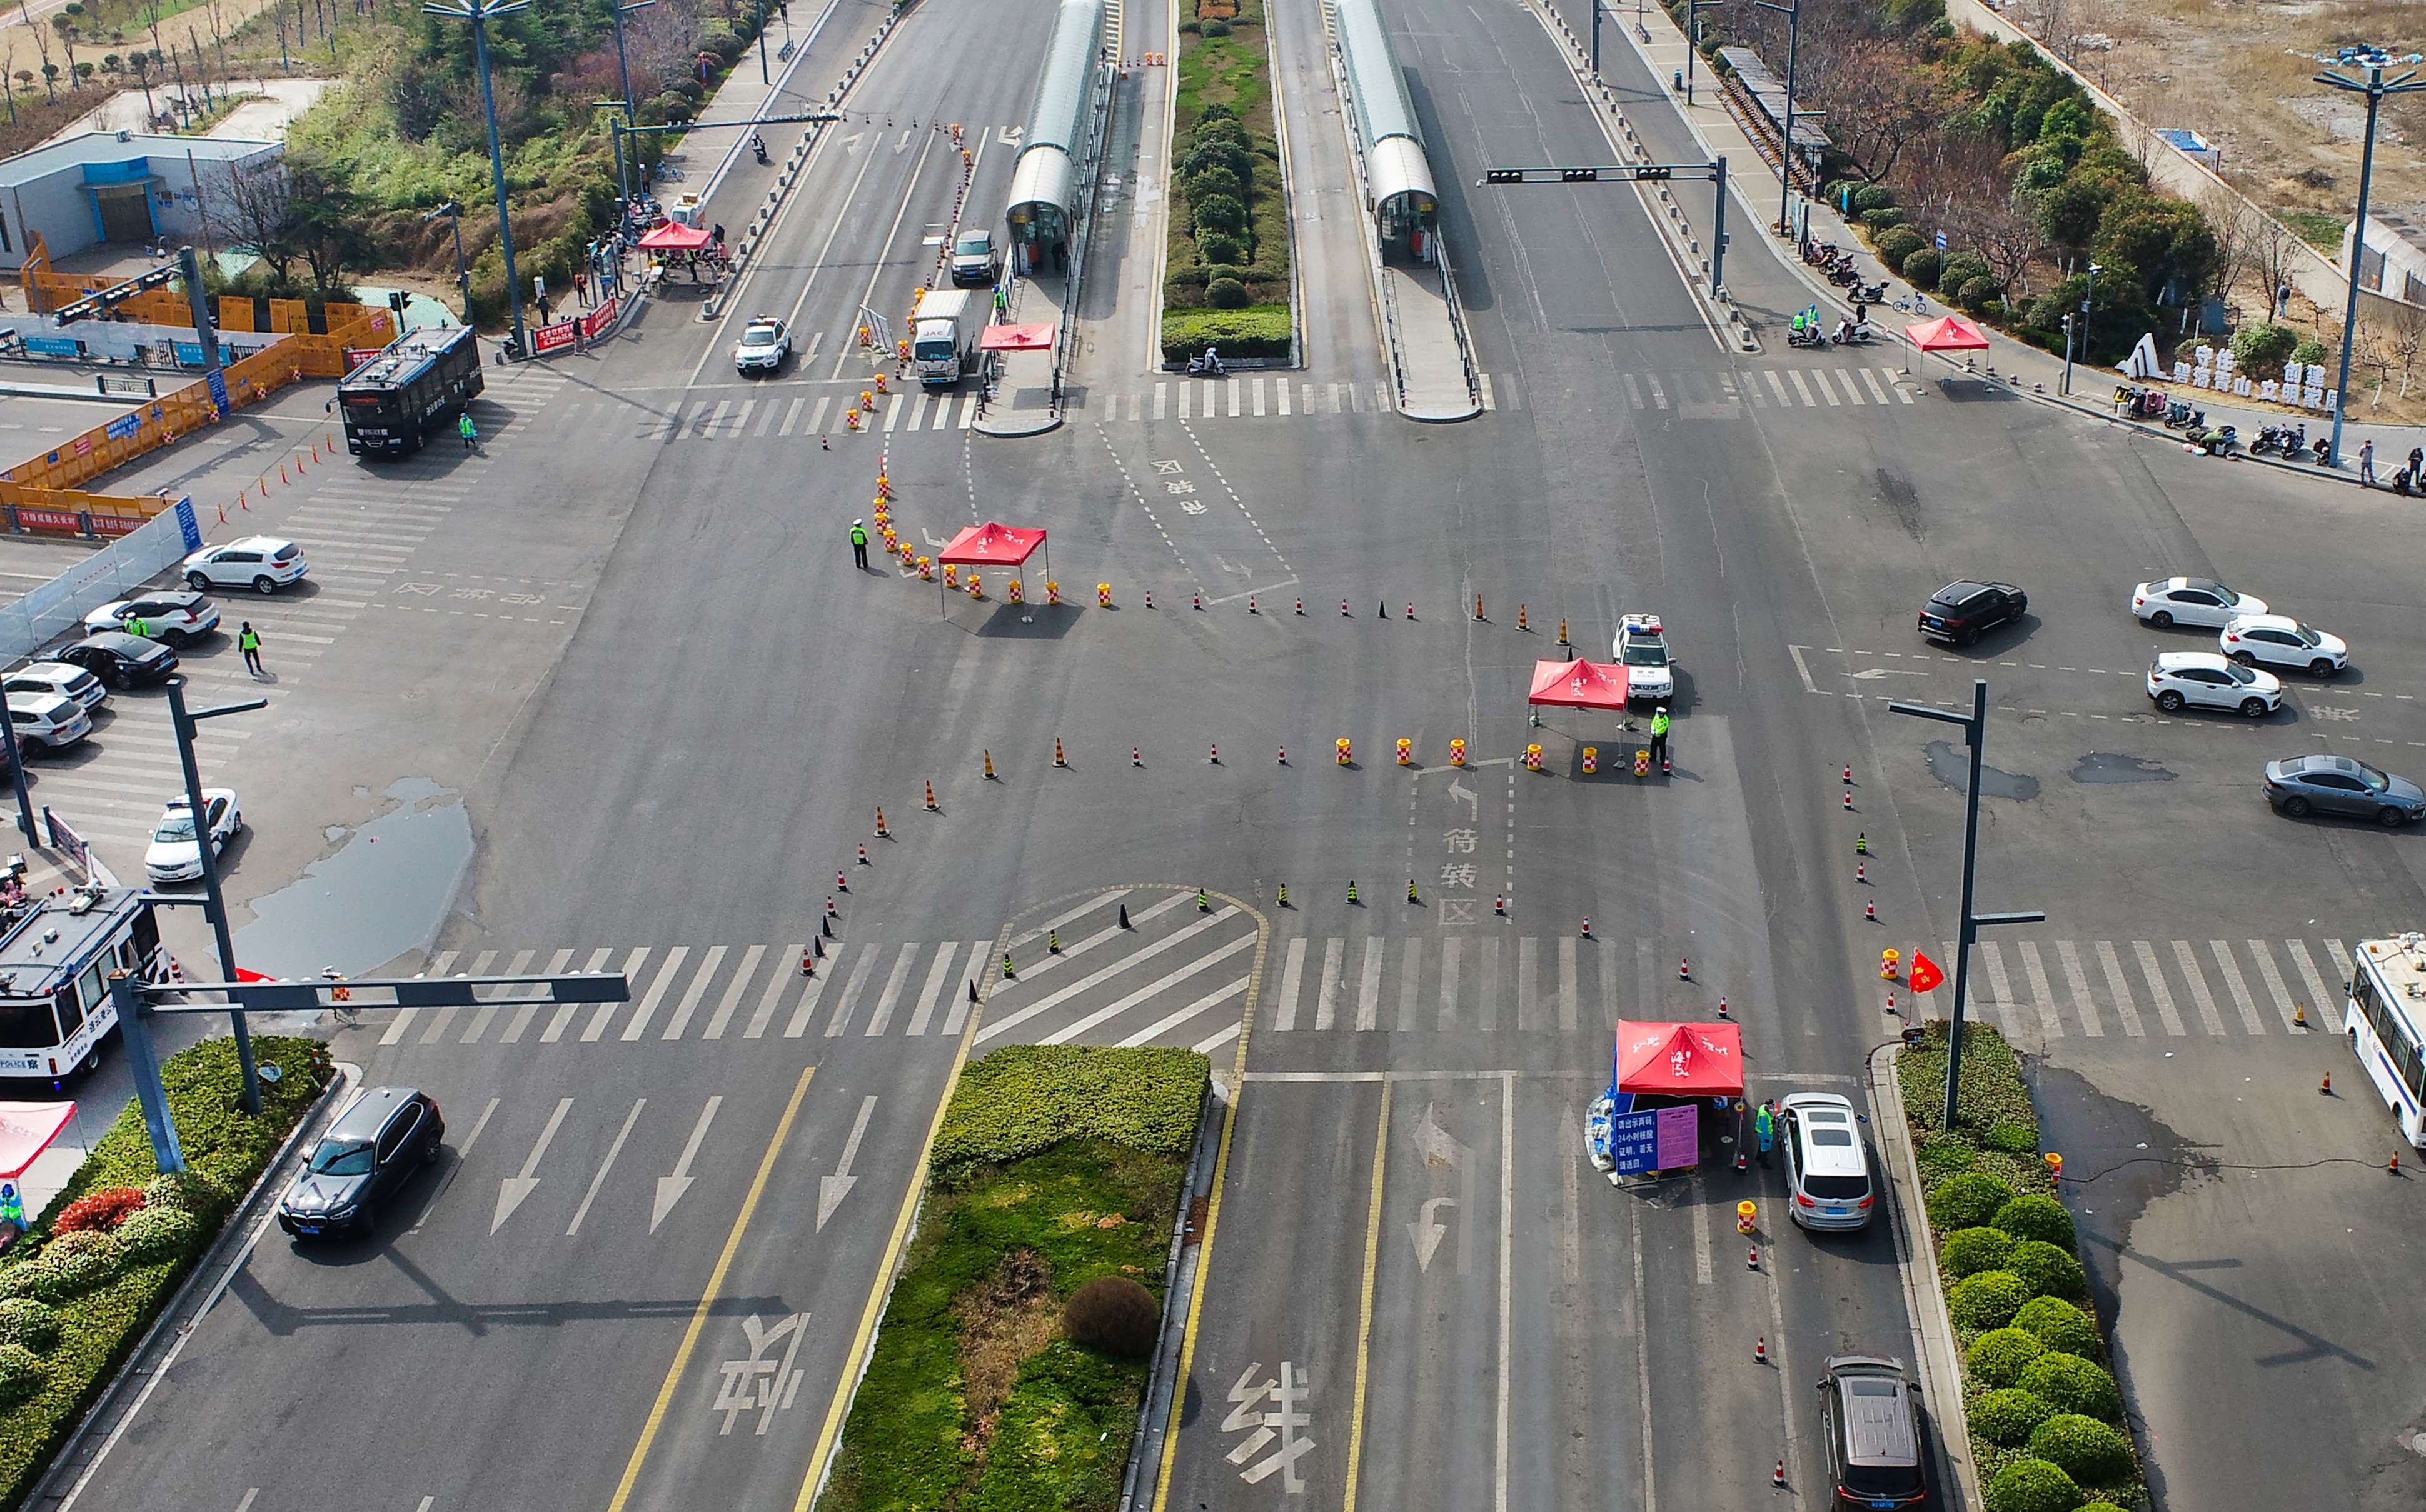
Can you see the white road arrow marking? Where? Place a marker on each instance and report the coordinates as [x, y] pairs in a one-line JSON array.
[[1437, 1145], [1458, 792], [515, 1190], [833, 1189], [1427, 1231], [1872, 674], [671, 1188]]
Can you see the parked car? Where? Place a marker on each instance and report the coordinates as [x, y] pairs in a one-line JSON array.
[[2208, 679], [2190, 601], [262, 563], [2320, 783], [46, 722], [1961, 612], [1870, 1429], [120, 659], [368, 1153], [173, 856], [61, 678], [1827, 1172], [2280, 640], [175, 618]]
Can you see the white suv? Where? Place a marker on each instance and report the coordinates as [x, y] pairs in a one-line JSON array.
[[2284, 641], [2211, 680], [1825, 1168], [46, 721], [262, 563], [1642, 650]]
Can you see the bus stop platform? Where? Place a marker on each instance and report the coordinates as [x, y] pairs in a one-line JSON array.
[[1427, 359]]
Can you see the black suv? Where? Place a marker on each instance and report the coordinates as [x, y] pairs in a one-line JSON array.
[[376, 1143], [1960, 612], [1869, 1426], [117, 658]]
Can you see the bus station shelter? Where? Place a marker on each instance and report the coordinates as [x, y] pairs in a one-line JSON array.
[[994, 544]]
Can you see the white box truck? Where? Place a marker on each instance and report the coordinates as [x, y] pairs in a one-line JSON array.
[[944, 336]]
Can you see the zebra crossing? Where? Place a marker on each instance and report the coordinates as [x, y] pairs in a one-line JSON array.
[[1178, 973], [1732, 396], [802, 418], [1268, 397]]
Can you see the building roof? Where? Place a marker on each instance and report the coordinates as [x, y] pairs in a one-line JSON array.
[[1770, 91], [94, 147], [2401, 226]]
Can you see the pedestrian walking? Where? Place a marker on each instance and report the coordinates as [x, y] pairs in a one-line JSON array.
[[1659, 737], [248, 640], [470, 432], [859, 542], [2367, 463]]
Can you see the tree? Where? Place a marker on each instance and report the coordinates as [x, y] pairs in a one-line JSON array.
[[259, 215], [2167, 240], [1877, 105], [325, 222], [50, 69]]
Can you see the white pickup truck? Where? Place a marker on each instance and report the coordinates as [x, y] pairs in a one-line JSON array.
[[1642, 650]]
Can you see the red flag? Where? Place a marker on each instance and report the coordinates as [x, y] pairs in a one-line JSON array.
[[1925, 973]]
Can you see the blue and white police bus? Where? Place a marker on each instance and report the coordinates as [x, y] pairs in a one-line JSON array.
[[55, 966]]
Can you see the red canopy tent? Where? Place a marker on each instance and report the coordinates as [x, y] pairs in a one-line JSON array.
[[992, 544], [27, 1129], [674, 236], [1016, 339], [1579, 684], [1680, 1059], [1947, 334]]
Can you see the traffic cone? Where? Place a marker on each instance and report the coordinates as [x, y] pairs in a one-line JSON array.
[[1478, 606], [1382, 611], [1500, 903], [1053, 942], [1203, 904], [1684, 967], [2325, 1087], [1300, 606], [881, 834], [808, 964], [1862, 843], [862, 853], [831, 915], [1250, 604], [1411, 609], [2392, 1166], [1411, 891], [1213, 755], [1848, 777], [1149, 598], [842, 881], [989, 766], [2299, 1016], [817, 945], [1343, 608], [1723, 1007], [1870, 911], [1125, 916], [1587, 926], [930, 795], [1351, 889], [1891, 1008], [1861, 874], [1752, 1261], [1007, 972], [1200, 602], [1760, 1349], [1777, 1476], [1848, 802], [1058, 760], [1284, 895], [1283, 757], [1521, 625], [1137, 757], [1562, 632]]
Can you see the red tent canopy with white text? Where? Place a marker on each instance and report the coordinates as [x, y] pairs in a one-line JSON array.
[[1579, 684], [992, 546], [1947, 334], [1680, 1059], [27, 1129]]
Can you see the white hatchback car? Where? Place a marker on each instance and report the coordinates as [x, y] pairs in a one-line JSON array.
[[1826, 1170], [46, 721], [2208, 680], [2283, 641], [172, 856], [262, 563], [2190, 601]]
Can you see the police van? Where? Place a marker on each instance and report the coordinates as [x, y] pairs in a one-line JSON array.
[[55, 967]]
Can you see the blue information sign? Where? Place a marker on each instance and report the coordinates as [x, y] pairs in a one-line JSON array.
[[218, 388], [54, 346], [124, 426], [189, 353], [1941, 244], [1634, 1142], [187, 525]]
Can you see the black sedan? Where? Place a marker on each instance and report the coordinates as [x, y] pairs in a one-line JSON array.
[[2301, 785], [1960, 613], [118, 659]]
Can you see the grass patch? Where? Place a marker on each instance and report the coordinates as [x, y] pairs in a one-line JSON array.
[[975, 1398], [1227, 237], [105, 1287], [2319, 229]]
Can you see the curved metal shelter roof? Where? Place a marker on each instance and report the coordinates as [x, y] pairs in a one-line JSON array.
[[1058, 118], [1377, 88], [1397, 167], [1043, 177]]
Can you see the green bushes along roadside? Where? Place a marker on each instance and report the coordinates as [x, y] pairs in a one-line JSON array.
[[1227, 250], [107, 1254], [1055, 1187]]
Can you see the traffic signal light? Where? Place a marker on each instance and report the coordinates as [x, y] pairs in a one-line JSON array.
[[1504, 176], [1578, 175], [1652, 171]]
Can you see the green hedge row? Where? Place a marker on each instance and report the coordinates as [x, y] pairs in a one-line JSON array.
[[1261, 330], [77, 1302], [1024, 1099]]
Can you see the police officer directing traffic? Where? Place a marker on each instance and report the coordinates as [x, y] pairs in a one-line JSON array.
[[1659, 737], [859, 542]]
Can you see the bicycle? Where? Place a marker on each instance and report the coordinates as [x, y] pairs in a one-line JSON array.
[[1916, 305]]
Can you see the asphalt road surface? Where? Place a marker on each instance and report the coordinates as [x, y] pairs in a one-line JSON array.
[[641, 1207]]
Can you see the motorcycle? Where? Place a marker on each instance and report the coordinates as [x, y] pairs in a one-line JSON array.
[[1816, 252], [1852, 335], [2180, 414], [1845, 277], [1208, 365], [2293, 442], [2324, 448], [758, 145], [2268, 437], [1871, 293], [2220, 441], [1806, 336]]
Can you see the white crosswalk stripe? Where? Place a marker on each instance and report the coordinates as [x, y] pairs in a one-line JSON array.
[[1733, 396], [1178, 975]]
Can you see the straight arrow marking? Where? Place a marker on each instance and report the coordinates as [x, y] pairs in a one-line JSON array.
[[833, 1189], [515, 1190], [671, 1188]]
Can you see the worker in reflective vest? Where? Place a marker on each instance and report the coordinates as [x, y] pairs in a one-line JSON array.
[[859, 542], [1659, 735]]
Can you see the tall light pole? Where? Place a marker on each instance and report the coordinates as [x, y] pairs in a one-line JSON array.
[[183, 721], [454, 214], [2086, 296], [1785, 128], [1693, 39], [2375, 88], [479, 13], [1975, 735]]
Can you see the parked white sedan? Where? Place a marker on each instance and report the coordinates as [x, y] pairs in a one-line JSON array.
[[173, 856], [2190, 601]]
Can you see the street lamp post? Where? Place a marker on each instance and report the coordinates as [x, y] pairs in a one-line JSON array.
[[2087, 295], [623, 72], [1975, 735], [479, 13], [1693, 39], [184, 722], [1785, 128], [454, 214], [2375, 88]]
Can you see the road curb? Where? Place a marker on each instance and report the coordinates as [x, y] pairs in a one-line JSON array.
[[1932, 1334], [1152, 1440], [149, 1360]]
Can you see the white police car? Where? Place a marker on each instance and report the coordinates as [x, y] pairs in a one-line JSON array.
[[1642, 650]]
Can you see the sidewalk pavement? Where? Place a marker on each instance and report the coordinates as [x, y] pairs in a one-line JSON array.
[[2036, 373], [1021, 401], [1433, 385]]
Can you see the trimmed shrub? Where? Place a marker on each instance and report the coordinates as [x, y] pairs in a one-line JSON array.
[[188, 1191], [28, 1323], [1113, 1315], [1942, 1155], [1218, 248], [2073, 1384], [1970, 1251], [1028, 1098], [1217, 214], [1871, 197], [1987, 1300], [2036, 1216], [1217, 28], [2083, 1448], [68, 1266], [2058, 1324], [2032, 1486], [1968, 1201], [1898, 243], [2000, 1356], [1879, 220], [156, 1234], [2260, 347], [2012, 1139], [2006, 1417], [2310, 352], [1960, 267], [1920, 267], [21, 1374], [1258, 330], [2048, 1270], [1976, 294], [1225, 294], [100, 1211], [2098, 1506]]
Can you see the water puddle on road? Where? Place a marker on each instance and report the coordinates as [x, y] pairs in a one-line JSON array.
[[382, 895], [1950, 765], [2109, 766]]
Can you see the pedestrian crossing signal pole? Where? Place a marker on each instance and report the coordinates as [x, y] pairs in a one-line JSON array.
[[1975, 736]]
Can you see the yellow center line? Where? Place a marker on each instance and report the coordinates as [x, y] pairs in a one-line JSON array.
[[1365, 1305], [707, 1297]]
